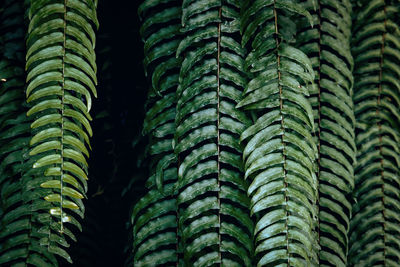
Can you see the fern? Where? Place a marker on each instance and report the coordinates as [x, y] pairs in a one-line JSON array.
[[154, 216], [329, 47], [94, 240], [213, 207], [257, 152], [280, 153], [374, 238], [61, 71], [20, 227]]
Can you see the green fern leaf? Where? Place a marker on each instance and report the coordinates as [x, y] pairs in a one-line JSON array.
[[329, 49], [154, 216], [280, 153], [213, 207], [374, 233], [60, 63], [20, 227]]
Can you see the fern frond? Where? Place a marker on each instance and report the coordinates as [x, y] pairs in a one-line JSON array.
[[154, 216], [374, 237], [94, 240], [213, 207], [155, 236], [280, 154], [61, 72], [20, 228], [328, 46]]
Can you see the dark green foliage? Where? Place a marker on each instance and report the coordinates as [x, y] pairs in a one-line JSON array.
[[213, 217], [264, 143], [21, 227], [328, 45], [374, 237], [154, 216], [280, 154]]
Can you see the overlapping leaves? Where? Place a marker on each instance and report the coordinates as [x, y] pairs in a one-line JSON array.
[[213, 64], [328, 46], [154, 216], [374, 237], [213, 207], [21, 228], [61, 79], [280, 154]]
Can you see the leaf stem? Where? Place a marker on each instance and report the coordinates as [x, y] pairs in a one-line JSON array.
[[283, 129], [379, 124], [319, 121], [218, 134], [62, 115]]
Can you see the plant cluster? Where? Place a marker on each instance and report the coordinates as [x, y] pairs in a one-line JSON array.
[[271, 132]]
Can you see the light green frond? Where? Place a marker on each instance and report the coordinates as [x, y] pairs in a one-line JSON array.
[[280, 154]]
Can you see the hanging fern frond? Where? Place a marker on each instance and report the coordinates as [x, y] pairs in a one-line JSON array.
[[375, 233], [20, 227], [25, 227], [94, 240], [280, 154], [328, 45], [154, 218], [155, 237], [61, 78], [214, 218]]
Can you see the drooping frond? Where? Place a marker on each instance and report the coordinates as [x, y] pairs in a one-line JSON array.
[[20, 227], [155, 236], [61, 79], [375, 233], [280, 154], [154, 216], [94, 240], [328, 45], [213, 207]]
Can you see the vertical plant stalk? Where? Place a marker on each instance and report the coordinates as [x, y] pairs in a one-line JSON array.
[[380, 130], [278, 60], [62, 115], [319, 122], [218, 132]]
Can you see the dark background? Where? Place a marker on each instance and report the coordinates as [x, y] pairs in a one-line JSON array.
[[115, 179]]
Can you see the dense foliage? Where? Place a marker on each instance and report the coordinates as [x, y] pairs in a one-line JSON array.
[[270, 134]]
